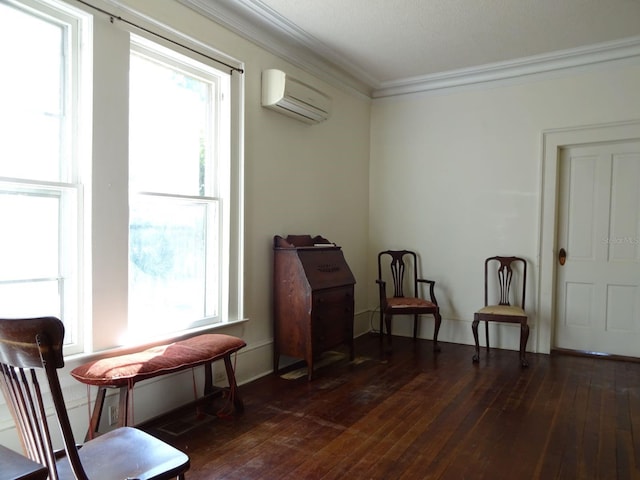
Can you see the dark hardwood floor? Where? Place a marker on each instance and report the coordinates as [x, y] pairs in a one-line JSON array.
[[412, 414]]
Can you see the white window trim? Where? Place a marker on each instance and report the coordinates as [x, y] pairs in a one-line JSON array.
[[103, 308], [233, 300]]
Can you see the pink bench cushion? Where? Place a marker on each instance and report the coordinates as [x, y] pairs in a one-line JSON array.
[[128, 369]]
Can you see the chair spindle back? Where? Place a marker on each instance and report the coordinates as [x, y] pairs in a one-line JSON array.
[[27, 347]]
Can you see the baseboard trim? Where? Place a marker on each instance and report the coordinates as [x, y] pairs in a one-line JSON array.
[[586, 353]]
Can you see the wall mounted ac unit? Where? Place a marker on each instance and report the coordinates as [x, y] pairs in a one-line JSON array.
[[291, 97]]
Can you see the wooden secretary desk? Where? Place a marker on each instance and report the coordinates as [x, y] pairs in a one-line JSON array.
[[313, 299]]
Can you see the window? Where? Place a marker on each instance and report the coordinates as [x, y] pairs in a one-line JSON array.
[[41, 248], [178, 156], [123, 205]]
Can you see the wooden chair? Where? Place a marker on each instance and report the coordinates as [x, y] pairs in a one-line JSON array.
[[32, 347], [404, 272], [503, 311]]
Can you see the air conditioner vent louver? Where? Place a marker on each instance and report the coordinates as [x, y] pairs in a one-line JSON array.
[[293, 98]]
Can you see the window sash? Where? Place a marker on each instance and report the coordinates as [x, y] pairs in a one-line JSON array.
[[146, 281], [41, 257], [39, 172], [174, 273]]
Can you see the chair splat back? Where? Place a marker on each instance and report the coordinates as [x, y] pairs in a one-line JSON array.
[[504, 276], [397, 272], [398, 268]]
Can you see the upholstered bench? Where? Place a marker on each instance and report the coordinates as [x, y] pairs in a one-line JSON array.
[[124, 371]]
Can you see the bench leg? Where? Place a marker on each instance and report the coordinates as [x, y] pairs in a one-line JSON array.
[[208, 378], [125, 414], [94, 423], [125, 409], [231, 379], [233, 387]]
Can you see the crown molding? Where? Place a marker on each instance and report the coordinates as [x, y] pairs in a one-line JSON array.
[[263, 27], [254, 21], [555, 62]]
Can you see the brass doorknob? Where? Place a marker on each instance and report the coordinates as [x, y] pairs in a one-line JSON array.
[[562, 256]]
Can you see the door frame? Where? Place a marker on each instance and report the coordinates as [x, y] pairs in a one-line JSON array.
[[552, 141]]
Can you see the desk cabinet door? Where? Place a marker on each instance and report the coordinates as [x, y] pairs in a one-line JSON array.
[[333, 317]]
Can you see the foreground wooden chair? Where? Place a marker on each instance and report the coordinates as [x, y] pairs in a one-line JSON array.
[[404, 273], [503, 311], [34, 345]]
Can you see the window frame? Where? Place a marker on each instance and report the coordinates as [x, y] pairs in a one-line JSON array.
[[75, 25], [99, 143], [232, 298], [216, 166]]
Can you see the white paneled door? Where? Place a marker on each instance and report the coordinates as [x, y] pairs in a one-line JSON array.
[[598, 280]]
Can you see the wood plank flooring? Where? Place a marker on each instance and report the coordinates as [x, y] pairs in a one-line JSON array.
[[412, 414]]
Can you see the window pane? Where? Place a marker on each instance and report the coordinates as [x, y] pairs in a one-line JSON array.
[[168, 270], [170, 115], [31, 299], [30, 249], [31, 96]]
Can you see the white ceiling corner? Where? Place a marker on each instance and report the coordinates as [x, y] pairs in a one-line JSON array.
[[242, 18], [385, 47]]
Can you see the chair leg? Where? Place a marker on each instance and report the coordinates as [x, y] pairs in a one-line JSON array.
[[524, 337], [381, 331], [415, 327], [276, 360], [474, 329], [486, 334], [436, 330], [387, 321]]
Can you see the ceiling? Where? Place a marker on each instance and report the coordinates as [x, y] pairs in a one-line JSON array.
[[391, 46]]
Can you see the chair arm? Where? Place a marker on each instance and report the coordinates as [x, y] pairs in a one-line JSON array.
[[432, 284], [382, 289]]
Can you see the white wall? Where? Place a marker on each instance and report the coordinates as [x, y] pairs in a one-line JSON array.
[[298, 179], [456, 176]]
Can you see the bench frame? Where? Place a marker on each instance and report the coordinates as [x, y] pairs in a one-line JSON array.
[[125, 413], [125, 409]]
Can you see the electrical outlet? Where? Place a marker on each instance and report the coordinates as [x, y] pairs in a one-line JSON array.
[[219, 377], [113, 415]]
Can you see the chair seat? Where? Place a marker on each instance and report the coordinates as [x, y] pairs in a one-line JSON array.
[[508, 310], [409, 302], [127, 453]]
